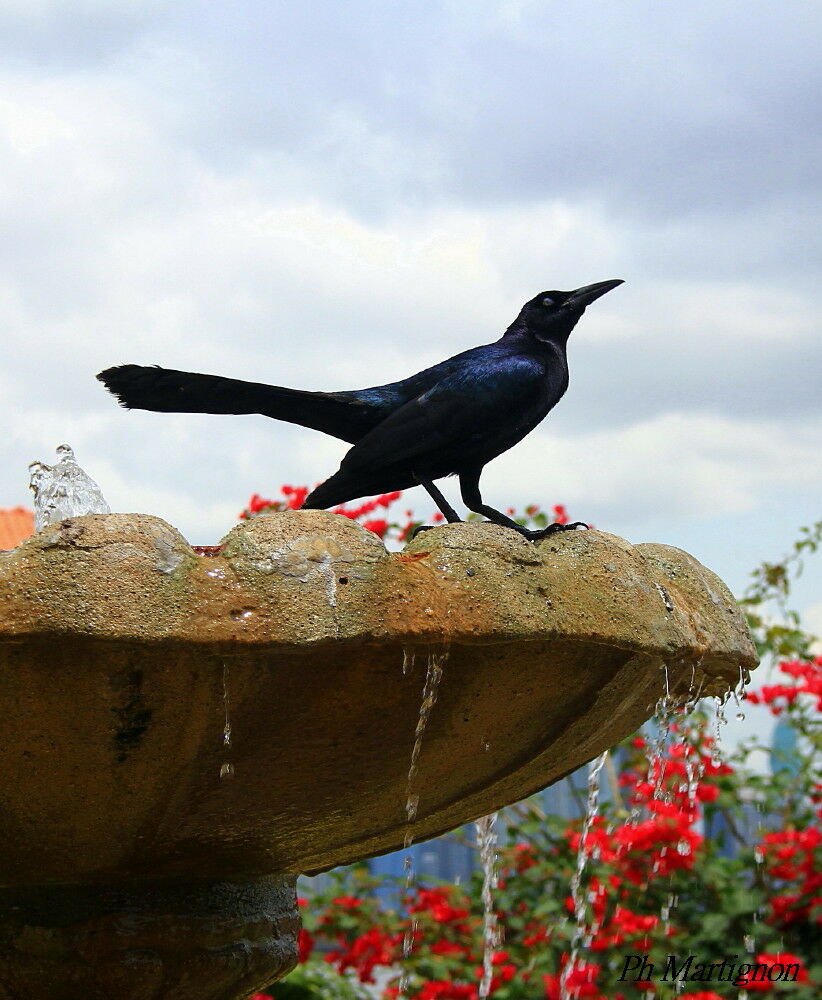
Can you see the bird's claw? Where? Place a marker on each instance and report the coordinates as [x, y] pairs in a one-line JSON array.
[[420, 528], [553, 529]]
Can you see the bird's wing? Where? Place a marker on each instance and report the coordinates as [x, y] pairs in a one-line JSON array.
[[460, 414]]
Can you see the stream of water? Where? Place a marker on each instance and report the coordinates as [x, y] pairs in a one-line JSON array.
[[226, 768], [430, 690], [487, 842], [579, 898]]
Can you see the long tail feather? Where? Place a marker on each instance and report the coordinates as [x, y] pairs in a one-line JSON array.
[[169, 391]]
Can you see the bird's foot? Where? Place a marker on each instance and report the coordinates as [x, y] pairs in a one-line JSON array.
[[553, 529], [420, 528]]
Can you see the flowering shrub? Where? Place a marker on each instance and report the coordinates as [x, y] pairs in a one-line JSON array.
[[658, 886], [696, 867], [400, 527]]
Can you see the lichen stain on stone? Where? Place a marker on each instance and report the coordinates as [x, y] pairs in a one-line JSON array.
[[168, 558], [132, 716], [308, 558]]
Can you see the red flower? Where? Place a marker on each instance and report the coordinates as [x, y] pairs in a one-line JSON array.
[[524, 857], [379, 526], [444, 947], [305, 945], [444, 990], [367, 951], [756, 980], [437, 903], [581, 982]]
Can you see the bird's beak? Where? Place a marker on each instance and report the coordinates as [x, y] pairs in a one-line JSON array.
[[583, 297]]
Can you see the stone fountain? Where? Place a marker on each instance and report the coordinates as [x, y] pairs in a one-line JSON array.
[[184, 734]]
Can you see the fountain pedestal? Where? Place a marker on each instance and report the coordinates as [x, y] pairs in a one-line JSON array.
[[129, 867], [201, 939]]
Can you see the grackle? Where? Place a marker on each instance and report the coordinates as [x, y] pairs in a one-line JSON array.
[[451, 419]]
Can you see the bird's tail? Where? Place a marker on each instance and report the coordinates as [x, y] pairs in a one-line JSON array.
[[169, 391]]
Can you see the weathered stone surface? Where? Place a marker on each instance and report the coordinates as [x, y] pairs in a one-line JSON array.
[[121, 651], [147, 941]]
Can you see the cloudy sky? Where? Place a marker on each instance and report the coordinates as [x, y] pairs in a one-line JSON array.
[[334, 195]]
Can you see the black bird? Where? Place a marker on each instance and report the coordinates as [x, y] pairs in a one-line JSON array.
[[451, 419]]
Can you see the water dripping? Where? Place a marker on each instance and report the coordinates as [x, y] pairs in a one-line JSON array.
[[669, 708], [430, 691], [591, 810], [664, 712], [227, 768], [408, 658], [487, 841]]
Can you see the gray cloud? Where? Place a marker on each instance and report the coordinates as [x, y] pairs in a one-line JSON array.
[[650, 108]]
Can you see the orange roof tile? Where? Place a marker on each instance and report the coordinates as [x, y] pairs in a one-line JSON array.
[[16, 523]]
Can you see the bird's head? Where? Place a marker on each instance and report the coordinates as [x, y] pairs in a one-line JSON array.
[[550, 316]]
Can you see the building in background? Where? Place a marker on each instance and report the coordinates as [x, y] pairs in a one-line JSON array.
[[16, 524], [452, 858]]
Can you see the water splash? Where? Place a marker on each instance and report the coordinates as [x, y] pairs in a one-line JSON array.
[[430, 691], [227, 768], [487, 841], [63, 490], [591, 811]]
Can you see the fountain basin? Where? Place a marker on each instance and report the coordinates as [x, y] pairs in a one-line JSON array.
[[123, 652]]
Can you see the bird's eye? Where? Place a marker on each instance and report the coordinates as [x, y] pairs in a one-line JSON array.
[[548, 302]]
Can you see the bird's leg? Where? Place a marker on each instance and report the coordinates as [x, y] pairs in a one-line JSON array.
[[448, 512], [472, 498]]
